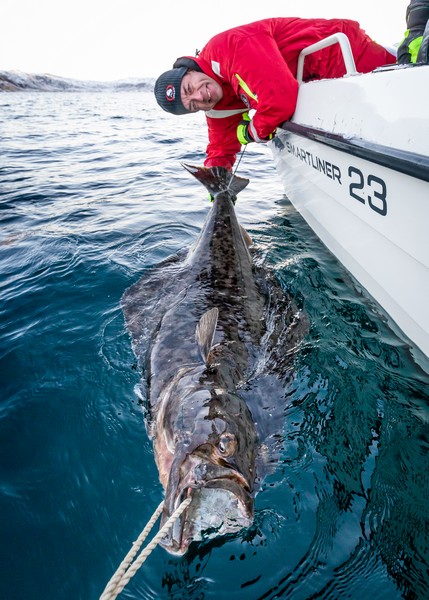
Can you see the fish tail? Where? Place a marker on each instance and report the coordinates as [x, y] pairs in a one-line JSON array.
[[217, 179]]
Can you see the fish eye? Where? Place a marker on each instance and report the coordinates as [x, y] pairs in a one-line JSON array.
[[227, 444]]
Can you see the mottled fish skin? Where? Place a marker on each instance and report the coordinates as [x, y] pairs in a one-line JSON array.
[[197, 326], [217, 272]]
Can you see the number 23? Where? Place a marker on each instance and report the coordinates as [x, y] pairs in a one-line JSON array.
[[376, 185]]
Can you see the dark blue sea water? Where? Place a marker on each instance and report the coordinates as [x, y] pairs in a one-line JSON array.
[[92, 194]]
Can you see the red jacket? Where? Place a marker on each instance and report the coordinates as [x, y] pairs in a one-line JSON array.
[[256, 66]]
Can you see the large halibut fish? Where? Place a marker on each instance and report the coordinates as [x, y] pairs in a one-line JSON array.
[[215, 338]]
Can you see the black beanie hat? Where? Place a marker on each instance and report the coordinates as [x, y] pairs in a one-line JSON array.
[[167, 91]]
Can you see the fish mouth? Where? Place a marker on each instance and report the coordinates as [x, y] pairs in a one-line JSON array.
[[220, 506]]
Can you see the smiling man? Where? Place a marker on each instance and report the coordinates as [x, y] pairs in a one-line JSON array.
[[199, 92], [254, 67]]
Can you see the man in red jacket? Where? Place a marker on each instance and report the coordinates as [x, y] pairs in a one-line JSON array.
[[254, 67]]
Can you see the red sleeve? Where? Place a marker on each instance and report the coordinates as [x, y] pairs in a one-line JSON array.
[[260, 64], [223, 143]]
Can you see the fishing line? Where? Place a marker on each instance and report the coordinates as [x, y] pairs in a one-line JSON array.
[[236, 167]]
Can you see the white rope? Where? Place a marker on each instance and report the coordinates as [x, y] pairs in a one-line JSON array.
[[126, 570]]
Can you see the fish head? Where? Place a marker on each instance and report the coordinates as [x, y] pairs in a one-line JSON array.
[[214, 464]]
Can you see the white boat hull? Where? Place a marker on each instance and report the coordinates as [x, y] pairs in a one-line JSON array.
[[364, 187]]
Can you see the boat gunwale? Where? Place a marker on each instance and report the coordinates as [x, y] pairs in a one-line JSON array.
[[403, 161]]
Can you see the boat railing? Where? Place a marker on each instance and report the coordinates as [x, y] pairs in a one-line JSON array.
[[336, 38]]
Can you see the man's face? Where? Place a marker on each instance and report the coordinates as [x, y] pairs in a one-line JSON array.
[[199, 91]]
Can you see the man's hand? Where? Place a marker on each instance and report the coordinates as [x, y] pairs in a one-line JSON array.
[[245, 136], [243, 133]]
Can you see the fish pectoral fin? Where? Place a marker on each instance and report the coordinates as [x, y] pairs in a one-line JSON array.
[[246, 237], [205, 330]]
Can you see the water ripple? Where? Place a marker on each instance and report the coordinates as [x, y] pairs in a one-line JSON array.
[[92, 195]]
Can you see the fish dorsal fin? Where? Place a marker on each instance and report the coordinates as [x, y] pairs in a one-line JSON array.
[[205, 331]]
